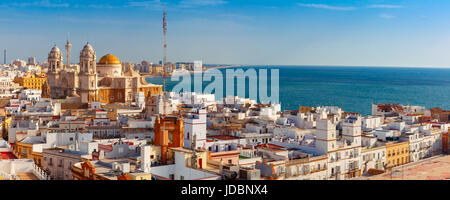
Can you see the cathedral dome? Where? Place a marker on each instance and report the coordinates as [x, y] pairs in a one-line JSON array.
[[109, 59], [55, 49], [88, 47], [55, 53]]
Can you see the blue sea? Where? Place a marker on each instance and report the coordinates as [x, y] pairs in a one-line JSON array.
[[354, 89]]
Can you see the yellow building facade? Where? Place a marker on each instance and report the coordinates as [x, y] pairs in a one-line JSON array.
[[32, 81], [397, 153], [5, 126], [25, 151]]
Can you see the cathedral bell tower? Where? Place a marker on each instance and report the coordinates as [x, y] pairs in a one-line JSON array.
[[55, 60], [88, 74], [55, 65]]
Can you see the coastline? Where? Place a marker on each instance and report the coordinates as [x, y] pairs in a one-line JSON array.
[[191, 72]]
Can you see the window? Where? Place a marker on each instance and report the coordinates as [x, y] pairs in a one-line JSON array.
[[170, 138]]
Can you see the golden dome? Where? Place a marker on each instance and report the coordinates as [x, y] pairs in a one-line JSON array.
[[109, 59]]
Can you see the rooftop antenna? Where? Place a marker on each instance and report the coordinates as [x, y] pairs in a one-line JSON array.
[[164, 59], [164, 70]]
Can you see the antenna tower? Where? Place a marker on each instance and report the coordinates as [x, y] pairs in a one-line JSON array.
[[164, 60]]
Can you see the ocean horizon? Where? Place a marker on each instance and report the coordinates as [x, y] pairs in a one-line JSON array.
[[353, 88]]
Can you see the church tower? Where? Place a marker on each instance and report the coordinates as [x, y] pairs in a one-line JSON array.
[[68, 46], [325, 136], [55, 60], [88, 74], [195, 129], [55, 65]]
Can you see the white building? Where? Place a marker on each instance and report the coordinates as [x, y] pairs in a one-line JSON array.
[[195, 129], [371, 123], [183, 168], [21, 169]]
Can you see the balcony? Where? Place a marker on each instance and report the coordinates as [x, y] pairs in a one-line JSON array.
[[335, 174], [318, 170], [353, 169], [41, 174]]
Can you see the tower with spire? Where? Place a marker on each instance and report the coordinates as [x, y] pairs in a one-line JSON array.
[[68, 46]]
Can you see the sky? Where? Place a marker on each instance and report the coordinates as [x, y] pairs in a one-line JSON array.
[[407, 33]]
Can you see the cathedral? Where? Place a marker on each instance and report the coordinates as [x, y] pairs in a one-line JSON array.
[[106, 81]]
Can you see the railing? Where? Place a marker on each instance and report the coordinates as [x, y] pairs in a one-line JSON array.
[[352, 169], [6, 176], [41, 174], [335, 174]]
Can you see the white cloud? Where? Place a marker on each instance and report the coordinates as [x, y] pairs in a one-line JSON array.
[[236, 16], [152, 4], [385, 6], [93, 21], [100, 6], [386, 16], [199, 3], [42, 3], [328, 7]]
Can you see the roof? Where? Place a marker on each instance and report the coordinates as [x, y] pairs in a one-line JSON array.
[[124, 177], [269, 145], [65, 106], [7, 155], [223, 137], [109, 59]]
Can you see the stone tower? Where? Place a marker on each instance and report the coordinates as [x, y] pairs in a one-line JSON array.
[[68, 46], [326, 136], [88, 74], [55, 60]]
